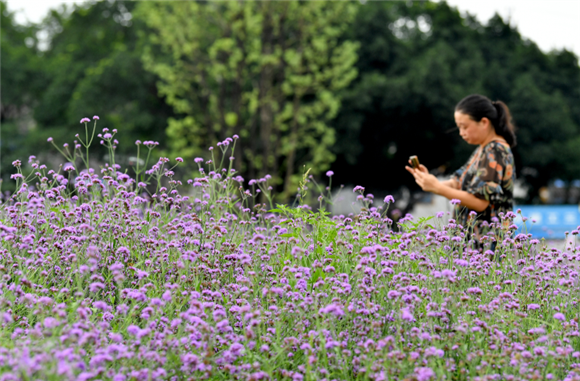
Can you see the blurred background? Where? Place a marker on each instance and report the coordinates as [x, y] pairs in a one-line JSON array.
[[352, 87]]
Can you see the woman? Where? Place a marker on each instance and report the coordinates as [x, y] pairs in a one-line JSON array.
[[485, 183]]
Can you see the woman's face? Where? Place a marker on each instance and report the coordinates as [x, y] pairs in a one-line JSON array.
[[471, 131]]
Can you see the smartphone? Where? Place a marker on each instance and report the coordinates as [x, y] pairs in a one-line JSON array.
[[414, 161]]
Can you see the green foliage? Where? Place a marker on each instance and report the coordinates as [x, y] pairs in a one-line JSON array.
[[93, 66], [305, 84], [417, 60], [20, 64], [22, 80], [268, 71]]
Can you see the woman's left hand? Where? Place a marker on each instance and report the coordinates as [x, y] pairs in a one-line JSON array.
[[426, 181]]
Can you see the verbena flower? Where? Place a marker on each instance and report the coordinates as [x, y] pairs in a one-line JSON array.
[[100, 278], [559, 316], [389, 199]]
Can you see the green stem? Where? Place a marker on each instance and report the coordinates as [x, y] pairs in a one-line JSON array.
[[87, 145]]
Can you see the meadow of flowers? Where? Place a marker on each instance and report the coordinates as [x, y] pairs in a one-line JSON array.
[[107, 276]]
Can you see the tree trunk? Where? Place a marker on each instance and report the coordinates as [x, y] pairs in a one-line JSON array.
[[266, 78], [280, 97], [293, 143], [207, 114]]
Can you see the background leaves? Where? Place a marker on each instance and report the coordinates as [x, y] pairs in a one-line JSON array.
[[131, 64]]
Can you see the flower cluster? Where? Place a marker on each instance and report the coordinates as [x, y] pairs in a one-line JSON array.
[[107, 281]]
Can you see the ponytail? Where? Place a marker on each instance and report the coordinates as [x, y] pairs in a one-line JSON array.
[[503, 123], [478, 107]]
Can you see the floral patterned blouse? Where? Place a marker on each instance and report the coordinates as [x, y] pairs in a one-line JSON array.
[[489, 175]]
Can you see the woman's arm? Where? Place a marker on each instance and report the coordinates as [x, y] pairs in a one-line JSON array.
[[452, 183], [467, 199], [430, 183]]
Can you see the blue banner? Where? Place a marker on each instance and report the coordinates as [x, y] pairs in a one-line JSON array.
[[548, 221]]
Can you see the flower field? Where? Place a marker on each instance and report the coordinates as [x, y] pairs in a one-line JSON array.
[[102, 281]]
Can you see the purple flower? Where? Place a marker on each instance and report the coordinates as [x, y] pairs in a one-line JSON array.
[[96, 286], [389, 199], [122, 309], [424, 373], [449, 274], [179, 160], [474, 290], [142, 274], [537, 330], [455, 201], [539, 351], [333, 309], [329, 173], [533, 306], [85, 120], [277, 290], [393, 294], [7, 317], [559, 316], [259, 237], [461, 262], [358, 188], [236, 348], [50, 322], [95, 117], [99, 304], [407, 315]]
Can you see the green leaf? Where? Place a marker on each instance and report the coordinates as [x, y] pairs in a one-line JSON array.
[[286, 235], [231, 119]]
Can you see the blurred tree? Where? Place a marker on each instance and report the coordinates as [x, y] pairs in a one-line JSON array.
[[94, 63], [265, 70], [417, 60], [412, 72], [282, 76], [21, 83]]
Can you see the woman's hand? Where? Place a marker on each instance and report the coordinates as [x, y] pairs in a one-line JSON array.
[[421, 168], [448, 189], [426, 181]]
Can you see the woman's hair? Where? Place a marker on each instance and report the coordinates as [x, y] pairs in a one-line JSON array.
[[477, 107]]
